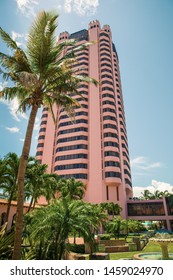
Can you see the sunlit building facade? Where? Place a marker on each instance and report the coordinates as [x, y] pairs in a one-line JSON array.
[[93, 148]]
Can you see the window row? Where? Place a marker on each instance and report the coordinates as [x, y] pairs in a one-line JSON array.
[[105, 70], [112, 163], [44, 116], [76, 129], [43, 122], [113, 174], [128, 182], [111, 144], [82, 86], [106, 76], [105, 59], [68, 157], [107, 82], [104, 34], [73, 147], [74, 138], [105, 54], [107, 65], [42, 129], [40, 145], [82, 113], [111, 154], [109, 125], [104, 45], [107, 88], [70, 123], [127, 172], [109, 118], [108, 95], [71, 166], [109, 110], [76, 176], [41, 137], [104, 40], [110, 134]]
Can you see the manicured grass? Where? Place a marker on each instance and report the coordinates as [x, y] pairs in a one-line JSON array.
[[150, 247]]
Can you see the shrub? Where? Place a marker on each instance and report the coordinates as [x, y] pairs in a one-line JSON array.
[[104, 237], [77, 248]]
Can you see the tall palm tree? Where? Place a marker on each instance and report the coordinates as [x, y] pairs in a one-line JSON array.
[[71, 188], [41, 76]]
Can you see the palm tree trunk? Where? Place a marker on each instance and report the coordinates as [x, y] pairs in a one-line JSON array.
[[21, 176]]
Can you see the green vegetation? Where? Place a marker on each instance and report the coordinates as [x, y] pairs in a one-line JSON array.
[[47, 229], [156, 195]]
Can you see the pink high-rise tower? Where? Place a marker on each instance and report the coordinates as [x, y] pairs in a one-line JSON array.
[[94, 148]]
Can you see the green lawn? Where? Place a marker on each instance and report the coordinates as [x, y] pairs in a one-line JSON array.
[[150, 247]]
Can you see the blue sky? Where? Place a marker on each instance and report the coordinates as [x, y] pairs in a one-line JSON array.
[[143, 34]]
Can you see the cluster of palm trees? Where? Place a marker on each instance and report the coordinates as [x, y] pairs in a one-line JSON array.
[[155, 195], [36, 183]]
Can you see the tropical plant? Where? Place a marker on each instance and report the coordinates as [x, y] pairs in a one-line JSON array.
[[146, 194], [38, 182], [9, 186], [49, 227], [114, 227], [156, 195], [6, 242], [41, 76], [112, 208], [135, 226], [71, 188]]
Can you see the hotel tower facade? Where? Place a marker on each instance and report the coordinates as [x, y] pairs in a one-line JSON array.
[[93, 148]]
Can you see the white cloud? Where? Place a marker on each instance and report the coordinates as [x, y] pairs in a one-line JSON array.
[[37, 124], [27, 6], [22, 139], [13, 107], [12, 129], [20, 39], [155, 185], [143, 163], [81, 7]]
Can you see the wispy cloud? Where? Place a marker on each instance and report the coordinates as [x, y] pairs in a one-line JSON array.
[[81, 7], [155, 185], [27, 7], [20, 39], [37, 124], [14, 129], [13, 107], [143, 163]]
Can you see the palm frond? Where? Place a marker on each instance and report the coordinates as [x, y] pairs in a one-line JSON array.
[[41, 40], [10, 92], [8, 40], [86, 79]]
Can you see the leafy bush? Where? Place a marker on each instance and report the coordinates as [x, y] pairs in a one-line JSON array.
[[77, 248], [104, 237]]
